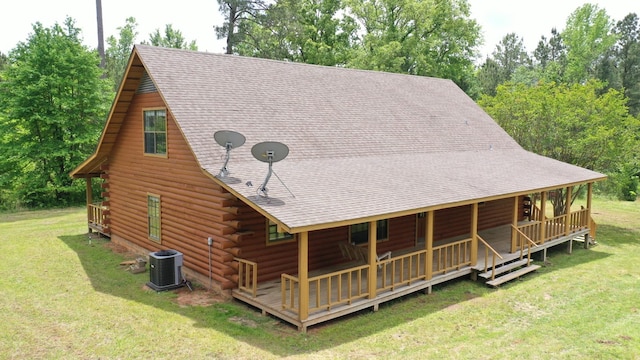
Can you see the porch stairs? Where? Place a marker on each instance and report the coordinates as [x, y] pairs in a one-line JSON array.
[[507, 271]]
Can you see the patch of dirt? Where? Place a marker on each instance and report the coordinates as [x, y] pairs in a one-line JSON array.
[[119, 249], [198, 297], [244, 322]]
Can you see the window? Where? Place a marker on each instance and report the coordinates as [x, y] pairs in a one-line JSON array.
[[360, 232], [274, 236], [153, 217], [155, 132]]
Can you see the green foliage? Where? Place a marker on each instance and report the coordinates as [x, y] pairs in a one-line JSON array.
[[308, 31], [172, 39], [587, 37], [416, 37], [627, 54], [119, 50], [52, 107], [577, 124]]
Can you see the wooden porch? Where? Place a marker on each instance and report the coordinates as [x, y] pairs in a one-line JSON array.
[[346, 288]]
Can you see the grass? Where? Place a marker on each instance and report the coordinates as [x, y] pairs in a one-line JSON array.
[[63, 297]]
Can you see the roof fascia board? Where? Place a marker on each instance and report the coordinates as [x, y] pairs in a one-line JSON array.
[[74, 174]]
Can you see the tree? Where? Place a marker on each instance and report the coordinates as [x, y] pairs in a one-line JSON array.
[[308, 31], [429, 38], [578, 124], [509, 55], [119, 50], [172, 39], [239, 17], [587, 36], [627, 52], [53, 102]]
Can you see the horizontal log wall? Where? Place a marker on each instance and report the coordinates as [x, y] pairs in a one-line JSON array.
[[193, 207]]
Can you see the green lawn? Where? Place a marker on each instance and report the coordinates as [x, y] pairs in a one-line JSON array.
[[63, 297]]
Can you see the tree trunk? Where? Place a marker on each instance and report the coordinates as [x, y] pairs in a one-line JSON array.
[[100, 34]]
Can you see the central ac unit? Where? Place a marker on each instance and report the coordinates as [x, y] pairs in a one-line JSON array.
[[165, 270]]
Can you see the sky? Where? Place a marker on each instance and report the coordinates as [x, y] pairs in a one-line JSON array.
[[196, 19]]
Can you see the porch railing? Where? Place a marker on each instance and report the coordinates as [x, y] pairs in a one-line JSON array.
[[402, 270], [96, 215], [247, 276], [452, 256], [326, 290], [523, 241], [494, 258]]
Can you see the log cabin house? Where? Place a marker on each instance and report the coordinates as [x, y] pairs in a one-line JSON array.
[[392, 184]]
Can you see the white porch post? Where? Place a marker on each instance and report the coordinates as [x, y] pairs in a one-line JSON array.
[[303, 275], [373, 256]]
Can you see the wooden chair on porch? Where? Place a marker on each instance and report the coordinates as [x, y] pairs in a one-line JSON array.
[[360, 254]]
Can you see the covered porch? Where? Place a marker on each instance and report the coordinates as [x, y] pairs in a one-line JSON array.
[[311, 297]]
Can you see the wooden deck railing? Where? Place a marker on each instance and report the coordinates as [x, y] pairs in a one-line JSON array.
[[402, 270], [341, 287], [247, 276], [452, 256], [289, 288], [579, 219], [531, 230], [96, 216], [523, 241], [494, 258]]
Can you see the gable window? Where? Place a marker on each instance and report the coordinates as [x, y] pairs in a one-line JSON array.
[[153, 217], [274, 236], [155, 132], [359, 233]]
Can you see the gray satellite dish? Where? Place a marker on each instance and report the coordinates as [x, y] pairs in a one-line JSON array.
[[229, 140], [269, 152]]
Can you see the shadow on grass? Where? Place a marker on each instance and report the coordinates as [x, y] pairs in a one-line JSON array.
[[270, 334], [616, 236]]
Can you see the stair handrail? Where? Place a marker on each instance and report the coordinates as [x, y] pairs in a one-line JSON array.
[[528, 241], [488, 247]]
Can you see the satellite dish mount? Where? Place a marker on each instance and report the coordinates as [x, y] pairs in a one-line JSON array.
[[229, 140], [269, 152]]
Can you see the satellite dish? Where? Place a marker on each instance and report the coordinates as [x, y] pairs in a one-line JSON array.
[[269, 152], [229, 140]]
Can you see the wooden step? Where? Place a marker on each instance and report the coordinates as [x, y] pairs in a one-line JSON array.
[[504, 268], [513, 275]]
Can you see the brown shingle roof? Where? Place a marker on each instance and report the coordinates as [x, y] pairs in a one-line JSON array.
[[363, 144]]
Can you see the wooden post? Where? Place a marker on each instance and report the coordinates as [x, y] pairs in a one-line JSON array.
[[516, 212], [543, 216], [589, 204], [474, 234], [373, 256], [429, 244], [567, 213], [89, 196], [303, 275]]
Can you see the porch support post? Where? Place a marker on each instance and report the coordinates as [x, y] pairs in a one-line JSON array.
[[303, 275], [516, 212], [543, 216], [567, 213], [373, 257], [589, 193], [89, 195], [429, 244], [474, 234]]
